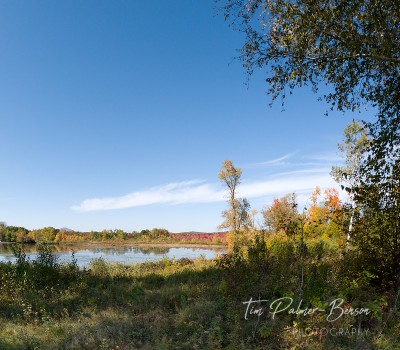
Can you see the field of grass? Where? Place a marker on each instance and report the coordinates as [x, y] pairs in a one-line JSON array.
[[198, 304]]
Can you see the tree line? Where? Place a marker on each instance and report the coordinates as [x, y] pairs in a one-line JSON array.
[[54, 235]]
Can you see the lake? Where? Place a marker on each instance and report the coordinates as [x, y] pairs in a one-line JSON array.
[[123, 254]]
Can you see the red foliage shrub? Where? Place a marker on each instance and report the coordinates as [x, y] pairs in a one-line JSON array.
[[206, 237]]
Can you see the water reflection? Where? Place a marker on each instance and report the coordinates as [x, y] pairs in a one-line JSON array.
[[126, 254]]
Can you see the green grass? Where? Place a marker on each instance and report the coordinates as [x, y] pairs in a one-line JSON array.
[[188, 304]]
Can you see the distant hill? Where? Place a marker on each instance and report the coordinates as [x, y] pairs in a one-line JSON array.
[[65, 229]]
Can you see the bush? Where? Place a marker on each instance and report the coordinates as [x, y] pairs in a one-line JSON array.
[[31, 285]]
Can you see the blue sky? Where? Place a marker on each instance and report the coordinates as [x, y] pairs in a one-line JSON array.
[[118, 114]]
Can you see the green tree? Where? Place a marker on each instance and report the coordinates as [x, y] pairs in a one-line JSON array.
[[12, 232], [119, 234], [371, 176], [46, 234], [354, 149], [352, 45], [3, 225], [106, 234], [159, 233], [376, 228]]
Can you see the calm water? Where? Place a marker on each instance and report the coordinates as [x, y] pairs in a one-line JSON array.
[[124, 254]]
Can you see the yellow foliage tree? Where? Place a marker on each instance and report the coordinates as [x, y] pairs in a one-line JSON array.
[[237, 216]]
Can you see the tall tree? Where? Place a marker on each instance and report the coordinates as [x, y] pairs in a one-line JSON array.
[[354, 149], [238, 208], [376, 230], [230, 176]]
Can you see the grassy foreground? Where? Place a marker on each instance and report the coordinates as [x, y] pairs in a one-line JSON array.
[[198, 304]]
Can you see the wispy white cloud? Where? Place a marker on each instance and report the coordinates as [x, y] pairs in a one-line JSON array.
[[300, 176], [285, 184], [276, 161], [326, 157], [311, 170], [200, 192], [193, 191]]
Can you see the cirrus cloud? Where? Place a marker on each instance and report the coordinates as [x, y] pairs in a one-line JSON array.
[[193, 191], [196, 191]]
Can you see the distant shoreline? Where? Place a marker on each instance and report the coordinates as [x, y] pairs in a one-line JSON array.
[[144, 244], [135, 244]]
